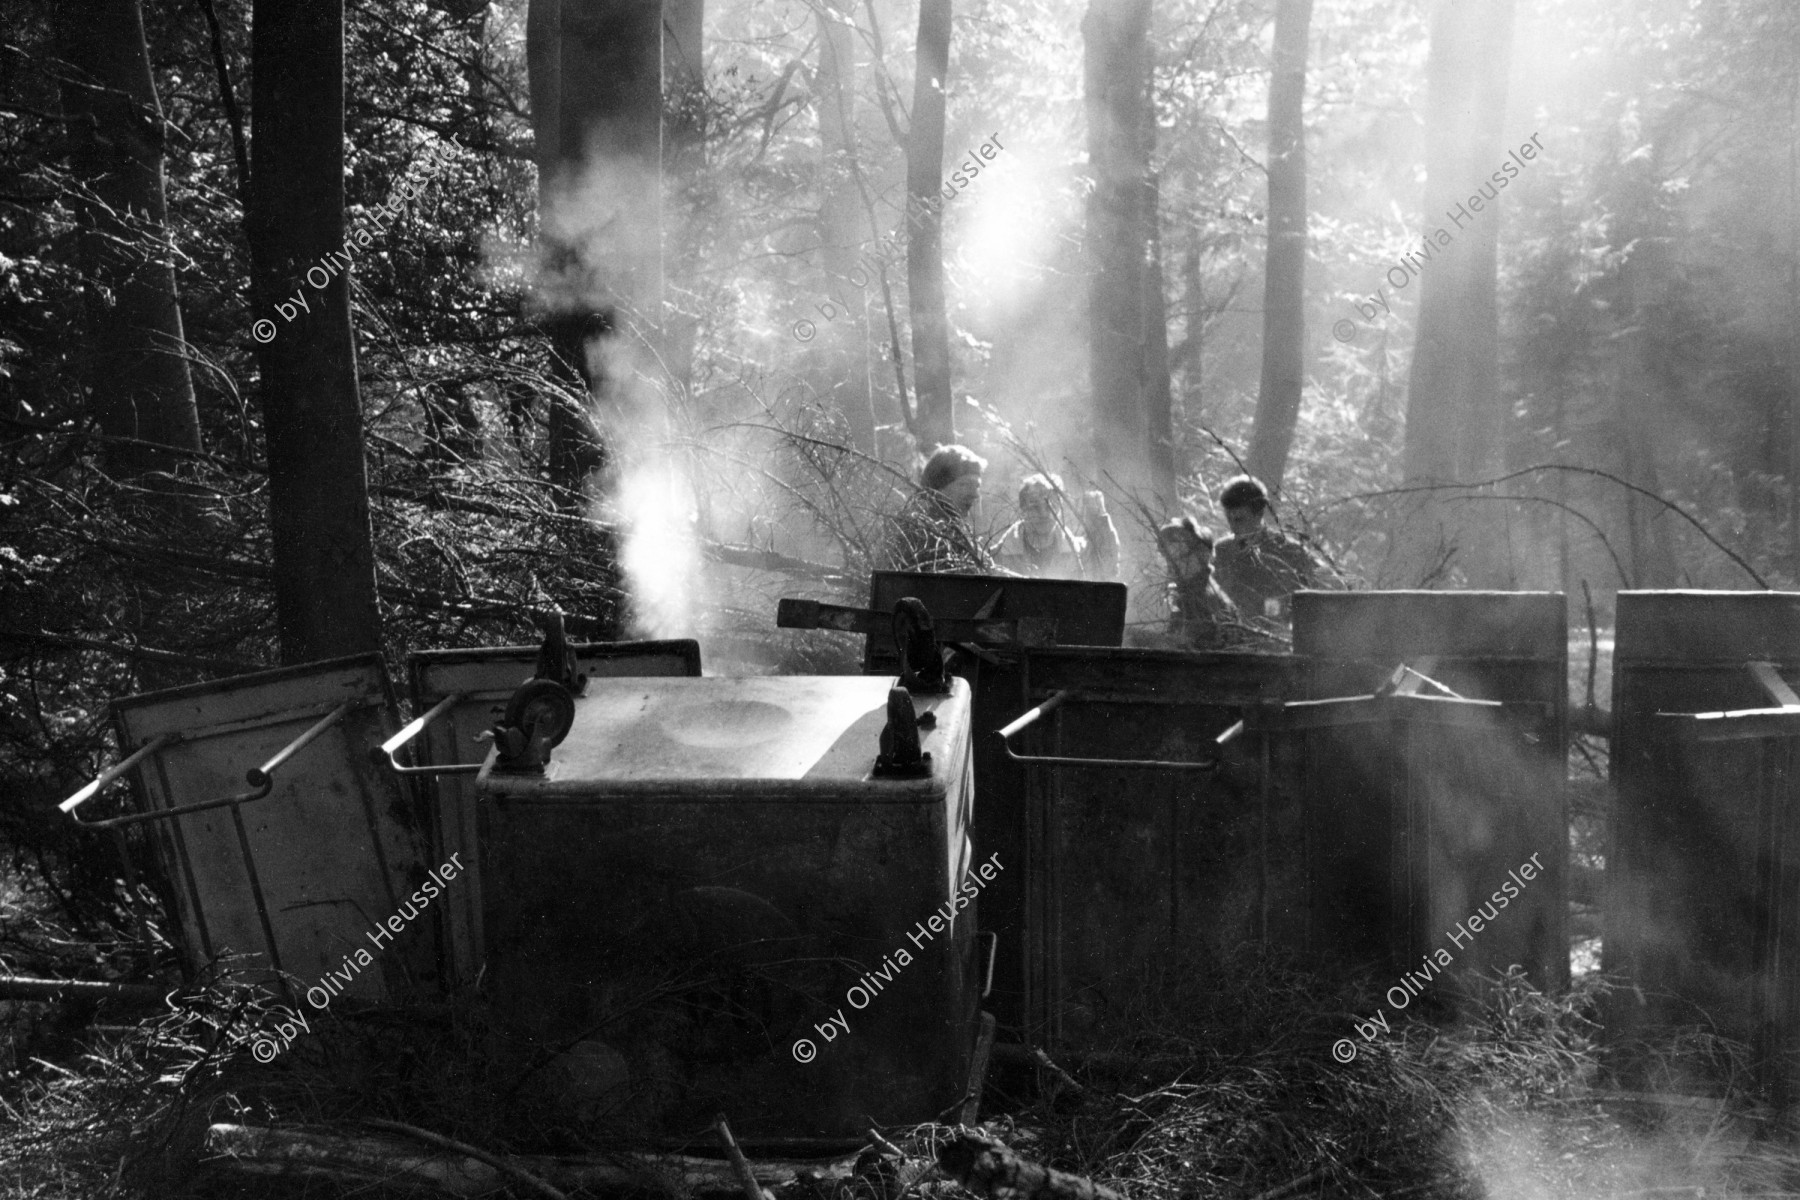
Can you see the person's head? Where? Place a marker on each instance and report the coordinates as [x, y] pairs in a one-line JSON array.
[[1244, 500], [955, 473], [1040, 502], [1187, 547]]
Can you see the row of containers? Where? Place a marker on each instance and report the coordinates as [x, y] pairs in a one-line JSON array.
[[711, 898]]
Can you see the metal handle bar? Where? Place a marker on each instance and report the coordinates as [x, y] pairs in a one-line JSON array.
[[262, 782], [261, 778], [93, 788], [264, 776], [1745, 724], [1032, 716], [383, 755]]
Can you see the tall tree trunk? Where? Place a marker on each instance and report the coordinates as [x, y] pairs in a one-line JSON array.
[[324, 561], [684, 167], [935, 418], [138, 381], [574, 444], [1284, 280], [1159, 401], [841, 368], [543, 81], [1121, 239], [1791, 348], [599, 201], [1453, 419]]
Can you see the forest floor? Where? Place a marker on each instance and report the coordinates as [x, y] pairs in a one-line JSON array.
[[1223, 1084]]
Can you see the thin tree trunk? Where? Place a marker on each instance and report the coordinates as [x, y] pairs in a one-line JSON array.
[[843, 367], [1116, 74], [1792, 345], [324, 562], [936, 414], [684, 165], [1453, 423], [543, 71], [1159, 403], [137, 376], [1284, 282]]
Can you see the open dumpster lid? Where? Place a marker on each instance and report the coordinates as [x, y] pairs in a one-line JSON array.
[[795, 736], [297, 874]]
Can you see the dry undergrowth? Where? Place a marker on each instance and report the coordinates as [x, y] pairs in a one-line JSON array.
[[1218, 1081]]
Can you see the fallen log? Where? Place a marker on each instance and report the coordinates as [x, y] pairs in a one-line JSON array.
[[984, 1164], [315, 1153], [17, 987]]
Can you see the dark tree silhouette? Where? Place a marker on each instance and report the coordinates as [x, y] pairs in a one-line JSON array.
[[1128, 355], [324, 563], [135, 363], [935, 416], [1284, 278]]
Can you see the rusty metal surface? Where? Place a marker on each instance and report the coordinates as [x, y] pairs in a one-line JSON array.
[[332, 847], [661, 932], [1129, 868], [484, 678], [1701, 903], [1416, 816]]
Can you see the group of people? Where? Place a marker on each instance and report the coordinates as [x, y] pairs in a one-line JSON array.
[[1242, 581], [933, 531]]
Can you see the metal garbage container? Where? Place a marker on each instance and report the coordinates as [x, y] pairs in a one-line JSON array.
[[709, 901]]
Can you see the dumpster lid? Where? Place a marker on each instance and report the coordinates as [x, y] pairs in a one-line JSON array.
[[787, 734]]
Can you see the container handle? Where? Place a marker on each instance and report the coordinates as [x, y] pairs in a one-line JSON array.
[[383, 755]]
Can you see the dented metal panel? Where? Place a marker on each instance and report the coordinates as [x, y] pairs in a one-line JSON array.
[[333, 847], [484, 678]]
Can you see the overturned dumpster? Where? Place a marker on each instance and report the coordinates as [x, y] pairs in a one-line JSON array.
[[284, 877], [458, 694], [744, 895]]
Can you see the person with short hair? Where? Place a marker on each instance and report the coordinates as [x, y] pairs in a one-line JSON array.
[[932, 531], [1259, 567], [1197, 605], [1041, 542]]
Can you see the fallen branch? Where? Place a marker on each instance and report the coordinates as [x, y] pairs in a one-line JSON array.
[[18, 987], [740, 1166], [983, 1164], [347, 1158], [499, 1164]]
